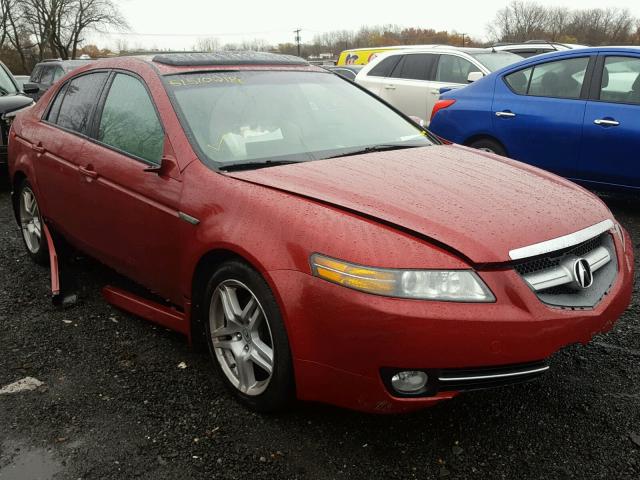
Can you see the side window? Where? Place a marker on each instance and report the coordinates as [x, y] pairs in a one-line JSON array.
[[559, 79], [385, 67], [454, 69], [77, 106], [129, 120], [47, 75], [621, 80], [54, 111], [58, 74], [519, 81], [417, 66], [35, 75]]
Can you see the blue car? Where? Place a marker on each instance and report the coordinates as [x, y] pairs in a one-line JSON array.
[[575, 113]]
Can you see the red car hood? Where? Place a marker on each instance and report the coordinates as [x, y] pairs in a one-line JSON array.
[[480, 205]]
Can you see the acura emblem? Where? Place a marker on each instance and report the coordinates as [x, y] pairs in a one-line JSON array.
[[582, 273]]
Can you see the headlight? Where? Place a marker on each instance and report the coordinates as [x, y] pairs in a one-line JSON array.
[[444, 285]]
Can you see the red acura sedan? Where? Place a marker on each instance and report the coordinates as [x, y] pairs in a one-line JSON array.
[[324, 245]]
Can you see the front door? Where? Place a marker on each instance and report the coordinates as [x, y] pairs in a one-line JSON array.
[[609, 153], [131, 213]]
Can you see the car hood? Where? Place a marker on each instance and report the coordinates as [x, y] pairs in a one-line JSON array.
[[9, 103], [478, 204]]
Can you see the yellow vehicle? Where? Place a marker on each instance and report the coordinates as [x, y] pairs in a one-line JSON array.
[[362, 56]]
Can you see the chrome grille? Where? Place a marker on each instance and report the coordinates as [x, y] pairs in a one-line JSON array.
[[552, 279]]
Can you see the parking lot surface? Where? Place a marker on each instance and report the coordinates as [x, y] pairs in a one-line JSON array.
[[121, 398]]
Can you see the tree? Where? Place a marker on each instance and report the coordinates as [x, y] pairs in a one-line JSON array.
[[209, 44]]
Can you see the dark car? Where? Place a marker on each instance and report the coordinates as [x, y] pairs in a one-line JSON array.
[[347, 71], [46, 73], [11, 101]]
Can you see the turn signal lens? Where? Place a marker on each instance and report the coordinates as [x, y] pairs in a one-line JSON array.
[[445, 285]]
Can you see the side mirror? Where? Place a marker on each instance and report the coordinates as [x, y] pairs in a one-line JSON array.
[[474, 76], [166, 168], [30, 88]]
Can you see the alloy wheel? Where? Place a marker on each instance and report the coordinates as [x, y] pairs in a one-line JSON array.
[[30, 220], [241, 337]]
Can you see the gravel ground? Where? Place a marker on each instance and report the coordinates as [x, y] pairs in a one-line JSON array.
[[115, 404]]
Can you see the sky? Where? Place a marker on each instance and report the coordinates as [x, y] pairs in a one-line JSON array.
[[178, 25]]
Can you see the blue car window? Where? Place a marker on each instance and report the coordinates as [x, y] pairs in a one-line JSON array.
[[519, 81], [559, 79], [621, 80]]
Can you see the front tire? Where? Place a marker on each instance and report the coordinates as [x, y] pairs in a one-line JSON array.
[[247, 339], [31, 224]]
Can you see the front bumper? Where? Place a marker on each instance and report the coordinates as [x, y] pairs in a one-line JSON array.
[[342, 339]]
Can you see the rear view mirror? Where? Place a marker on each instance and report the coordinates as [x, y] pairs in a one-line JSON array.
[[474, 76], [30, 88]]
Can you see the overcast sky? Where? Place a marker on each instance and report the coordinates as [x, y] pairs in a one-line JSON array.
[[177, 25]]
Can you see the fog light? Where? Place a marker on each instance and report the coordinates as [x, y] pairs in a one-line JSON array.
[[411, 381]]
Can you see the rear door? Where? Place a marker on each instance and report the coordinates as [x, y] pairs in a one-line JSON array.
[[374, 79], [409, 88], [131, 214], [538, 113], [611, 144], [58, 143]]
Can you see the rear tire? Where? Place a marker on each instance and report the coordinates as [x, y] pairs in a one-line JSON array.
[[247, 339], [31, 224], [489, 145]]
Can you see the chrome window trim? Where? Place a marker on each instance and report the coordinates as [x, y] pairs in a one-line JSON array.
[[561, 243]]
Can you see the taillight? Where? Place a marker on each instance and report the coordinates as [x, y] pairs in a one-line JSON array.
[[441, 104]]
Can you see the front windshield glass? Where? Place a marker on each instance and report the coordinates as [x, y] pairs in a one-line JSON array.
[[258, 116], [496, 60], [6, 85]]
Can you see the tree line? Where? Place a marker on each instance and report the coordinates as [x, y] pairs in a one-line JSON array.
[[524, 20], [32, 30]]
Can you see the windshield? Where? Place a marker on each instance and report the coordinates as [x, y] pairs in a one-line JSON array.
[[6, 85], [250, 116], [496, 60]]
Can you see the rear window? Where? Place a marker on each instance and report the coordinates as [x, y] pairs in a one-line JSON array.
[[78, 103], [385, 67]]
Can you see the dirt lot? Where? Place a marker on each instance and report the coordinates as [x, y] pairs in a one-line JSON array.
[[114, 403]]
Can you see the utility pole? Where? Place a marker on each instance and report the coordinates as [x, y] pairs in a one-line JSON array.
[[463, 34], [297, 32]]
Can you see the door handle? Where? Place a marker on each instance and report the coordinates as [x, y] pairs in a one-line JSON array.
[[505, 114], [88, 172], [39, 149], [389, 87], [606, 122], [435, 92]]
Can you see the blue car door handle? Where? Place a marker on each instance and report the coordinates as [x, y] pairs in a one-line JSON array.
[[606, 122], [505, 114]]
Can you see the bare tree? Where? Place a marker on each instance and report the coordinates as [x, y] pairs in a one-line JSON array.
[[208, 44]]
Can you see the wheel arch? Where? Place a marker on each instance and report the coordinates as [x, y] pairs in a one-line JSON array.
[[18, 177], [206, 265], [484, 136]]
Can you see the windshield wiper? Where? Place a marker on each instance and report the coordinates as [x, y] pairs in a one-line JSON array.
[[234, 167], [375, 148]]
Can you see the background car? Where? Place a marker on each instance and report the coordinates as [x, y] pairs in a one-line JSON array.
[[347, 71], [21, 80], [46, 73], [534, 47], [575, 113], [411, 79], [11, 101]]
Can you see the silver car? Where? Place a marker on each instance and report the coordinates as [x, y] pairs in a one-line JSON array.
[[411, 79]]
